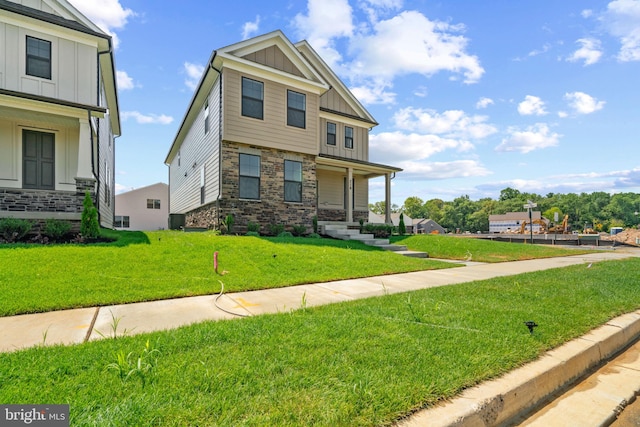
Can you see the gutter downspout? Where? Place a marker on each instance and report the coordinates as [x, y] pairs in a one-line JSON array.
[[215, 53]]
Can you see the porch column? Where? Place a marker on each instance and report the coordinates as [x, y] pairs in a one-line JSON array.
[[84, 151], [387, 198], [349, 195]]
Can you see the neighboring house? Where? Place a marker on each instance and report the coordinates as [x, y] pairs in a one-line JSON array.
[[511, 222], [58, 112], [427, 226], [143, 209], [272, 136]]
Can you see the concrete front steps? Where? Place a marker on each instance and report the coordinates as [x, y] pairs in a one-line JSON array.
[[341, 230]]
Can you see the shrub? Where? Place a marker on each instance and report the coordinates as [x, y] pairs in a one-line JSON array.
[[379, 230], [253, 227], [314, 236], [56, 229], [13, 229], [276, 229], [89, 226], [361, 221], [252, 233], [402, 229], [299, 230], [284, 234], [228, 222], [315, 224]]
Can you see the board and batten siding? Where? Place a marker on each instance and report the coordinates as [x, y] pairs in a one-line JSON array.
[[273, 57], [198, 151], [272, 131], [331, 190], [74, 67], [360, 150], [331, 100]]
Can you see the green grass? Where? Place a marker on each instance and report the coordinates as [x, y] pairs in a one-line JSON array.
[[158, 265], [460, 248], [359, 363]]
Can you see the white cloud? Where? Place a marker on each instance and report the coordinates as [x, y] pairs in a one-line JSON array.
[[484, 103], [532, 105], [532, 138], [622, 20], [250, 28], [590, 51], [411, 43], [325, 21], [194, 73], [374, 93], [106, 14], [412, 170], [147, 119], [583, 103], [451, 123], [124, 82], [398, 146]]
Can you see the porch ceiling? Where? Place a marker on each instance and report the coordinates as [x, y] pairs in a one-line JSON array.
[[360, 167]]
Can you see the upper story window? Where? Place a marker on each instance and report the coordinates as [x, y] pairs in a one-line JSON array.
[[249, 186], [348, 137], [296, 109], [38, 58], [292, 181], [331, 133], [153, 204], [252, 98]]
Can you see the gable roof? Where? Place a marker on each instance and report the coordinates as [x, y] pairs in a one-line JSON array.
[[234, 57], [66, 16], [327, 73]]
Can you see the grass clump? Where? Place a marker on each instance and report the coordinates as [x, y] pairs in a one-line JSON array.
[[358, 363]]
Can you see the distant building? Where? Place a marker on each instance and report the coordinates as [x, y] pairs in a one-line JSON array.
[[143, 209], [511, 222], [427, 226]]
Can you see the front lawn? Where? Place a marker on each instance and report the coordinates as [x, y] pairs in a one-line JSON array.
[[472, 249], [166, 264], [359, 363]]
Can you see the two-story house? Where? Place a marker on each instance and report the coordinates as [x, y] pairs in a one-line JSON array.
[[272, 136], [58, 112]]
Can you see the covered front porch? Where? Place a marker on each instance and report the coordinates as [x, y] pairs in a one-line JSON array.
[[343, 188]]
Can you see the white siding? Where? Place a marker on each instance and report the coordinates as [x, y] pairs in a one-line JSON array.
[[74, 67], [134, 205], [197, 150]]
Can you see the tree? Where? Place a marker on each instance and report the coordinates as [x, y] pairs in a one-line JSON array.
[[434, 210], [414, 207], [89, 226], [402, 229], [377, 207]]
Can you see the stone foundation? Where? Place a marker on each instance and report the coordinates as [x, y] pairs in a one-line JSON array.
[[341, 215]]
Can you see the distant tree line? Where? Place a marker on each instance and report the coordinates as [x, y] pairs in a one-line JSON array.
[[599, 210]]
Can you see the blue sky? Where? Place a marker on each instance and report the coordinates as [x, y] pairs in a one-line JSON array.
[[471, 96]]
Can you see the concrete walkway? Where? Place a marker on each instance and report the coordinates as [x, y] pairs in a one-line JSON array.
[[80, 325]]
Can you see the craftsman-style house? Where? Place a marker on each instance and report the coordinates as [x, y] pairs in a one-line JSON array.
[[58, 112], [272, 136]]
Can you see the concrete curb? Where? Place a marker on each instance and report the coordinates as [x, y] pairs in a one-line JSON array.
[[515, 394]]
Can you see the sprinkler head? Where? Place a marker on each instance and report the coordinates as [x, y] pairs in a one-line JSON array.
[[530, 324]]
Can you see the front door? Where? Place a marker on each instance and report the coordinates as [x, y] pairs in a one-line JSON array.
[[38, 160]]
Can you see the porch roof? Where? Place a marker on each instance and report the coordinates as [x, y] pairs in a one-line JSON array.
[[360, 167]]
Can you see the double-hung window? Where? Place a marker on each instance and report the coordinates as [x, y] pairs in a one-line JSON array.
[[296, 109], [331, 133], [153, 204], [348, 137], [38, 58], [292, 181], [249, 185], [252, 98], [121, 221]]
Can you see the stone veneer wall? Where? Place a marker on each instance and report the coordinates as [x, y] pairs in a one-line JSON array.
[[271, 208], [20, 200]]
